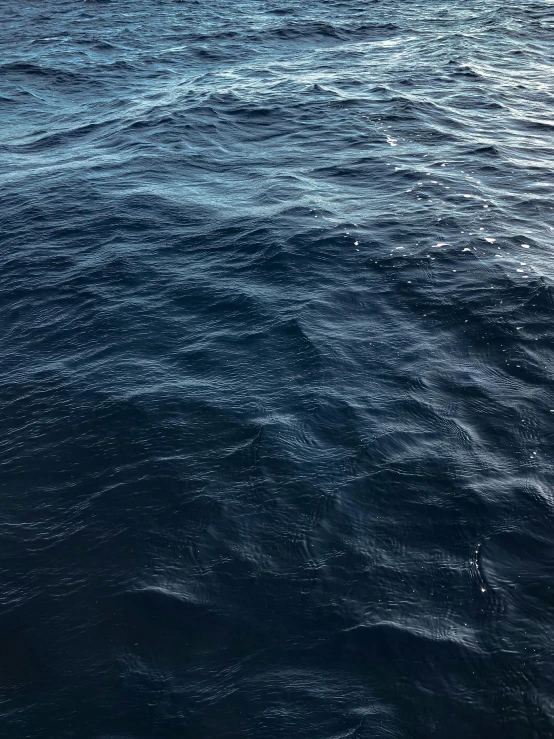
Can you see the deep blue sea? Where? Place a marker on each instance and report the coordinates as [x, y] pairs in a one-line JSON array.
[[276, 369]]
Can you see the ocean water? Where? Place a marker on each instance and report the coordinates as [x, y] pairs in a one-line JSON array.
[[276, 369]]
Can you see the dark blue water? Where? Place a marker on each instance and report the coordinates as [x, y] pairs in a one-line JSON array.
[[276, 369]]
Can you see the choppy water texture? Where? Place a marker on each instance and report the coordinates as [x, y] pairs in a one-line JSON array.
[[276, 342]]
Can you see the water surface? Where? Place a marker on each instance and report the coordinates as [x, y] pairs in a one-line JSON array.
[[276, 342]]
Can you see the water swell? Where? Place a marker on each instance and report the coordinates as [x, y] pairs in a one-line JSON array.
[[276, 386]]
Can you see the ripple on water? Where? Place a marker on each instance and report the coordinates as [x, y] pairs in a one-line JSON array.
[[276, 369]]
